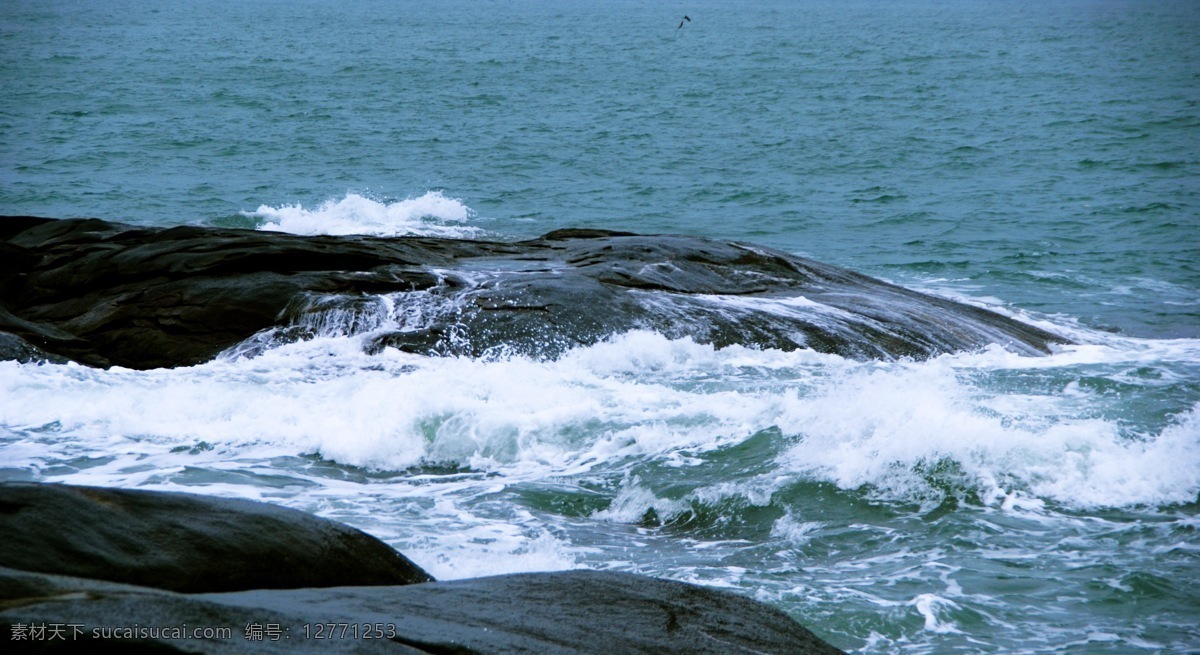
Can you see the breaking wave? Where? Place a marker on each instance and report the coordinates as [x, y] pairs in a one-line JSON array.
[[432, 214]]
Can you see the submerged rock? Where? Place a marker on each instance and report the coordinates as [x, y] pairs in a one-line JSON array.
[[106, 294], [82, 565], [185, 542]]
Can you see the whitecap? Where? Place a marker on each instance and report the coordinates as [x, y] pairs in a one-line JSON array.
[[431, 214]]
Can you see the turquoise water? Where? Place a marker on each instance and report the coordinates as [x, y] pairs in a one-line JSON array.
[[1042, 159]]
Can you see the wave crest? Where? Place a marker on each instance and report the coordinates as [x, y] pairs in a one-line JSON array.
[[432, 214]]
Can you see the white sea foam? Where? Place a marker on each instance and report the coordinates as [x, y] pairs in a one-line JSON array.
[[935, 610], [794, 531], [432, 214], [905, 430], [634, 501], [896, 428], [494, 548]]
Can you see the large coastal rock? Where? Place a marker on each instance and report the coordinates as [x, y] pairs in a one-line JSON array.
[[87, 579], [561, 613], [186, 542], [107, 294]]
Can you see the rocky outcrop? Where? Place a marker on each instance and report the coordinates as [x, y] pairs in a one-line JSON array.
[[563, 613], [187, 543], [106, 294], [61, 607]]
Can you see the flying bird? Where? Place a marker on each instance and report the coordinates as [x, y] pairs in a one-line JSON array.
[[685, 19]]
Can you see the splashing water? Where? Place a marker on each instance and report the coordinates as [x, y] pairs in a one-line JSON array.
[[432, 214]]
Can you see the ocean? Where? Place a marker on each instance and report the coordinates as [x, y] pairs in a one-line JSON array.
[[1041, 159]]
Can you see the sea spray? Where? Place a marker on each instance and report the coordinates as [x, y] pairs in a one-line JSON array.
[[432, 214], [889, 426], [725, 466]]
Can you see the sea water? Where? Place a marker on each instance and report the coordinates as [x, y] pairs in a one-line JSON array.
[[1041, 159]]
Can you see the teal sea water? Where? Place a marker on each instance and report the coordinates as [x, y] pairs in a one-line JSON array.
[[1038, 158]]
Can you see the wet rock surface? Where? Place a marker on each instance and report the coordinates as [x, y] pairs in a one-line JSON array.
[[186, 542], [105, 294]]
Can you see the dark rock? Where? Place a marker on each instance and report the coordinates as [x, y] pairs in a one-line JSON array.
[[577, 612], [14, 348], [71, 553], [185, 542], [42, 613], [109, 294]]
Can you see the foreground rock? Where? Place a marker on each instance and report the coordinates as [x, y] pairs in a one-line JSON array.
[[188, 543], [55, 608], [576, 612], [109, 294]]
